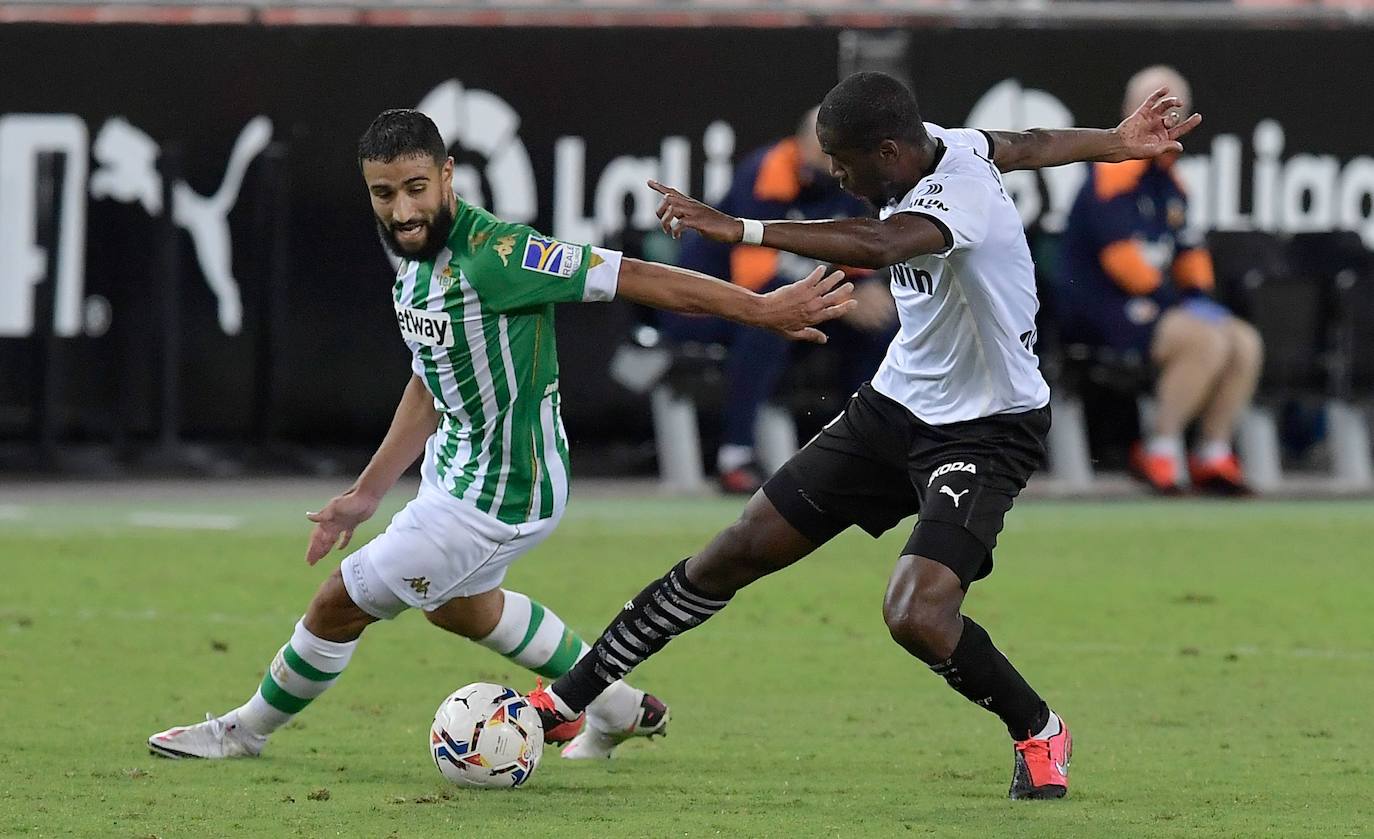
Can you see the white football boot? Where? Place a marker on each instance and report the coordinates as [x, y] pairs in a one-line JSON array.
[[597, 741], [213, 739]]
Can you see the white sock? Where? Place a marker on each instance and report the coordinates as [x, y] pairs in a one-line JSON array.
[[731, 456], [1170, 446], [1213, 450], [1052, 727], [560, 706], [302, 670], [534, 637]]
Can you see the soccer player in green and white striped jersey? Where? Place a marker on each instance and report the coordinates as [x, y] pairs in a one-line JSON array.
[[474, 300]]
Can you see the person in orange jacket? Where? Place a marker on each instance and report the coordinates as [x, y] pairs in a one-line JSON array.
[[788, 179], [1137, 280]]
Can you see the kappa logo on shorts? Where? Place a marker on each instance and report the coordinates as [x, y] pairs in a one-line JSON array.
[[552, 257], [420, 584], [955, 466]]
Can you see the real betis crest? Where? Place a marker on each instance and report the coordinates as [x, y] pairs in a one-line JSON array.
[[447, 279]]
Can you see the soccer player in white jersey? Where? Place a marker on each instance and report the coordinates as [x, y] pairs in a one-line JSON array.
[[474, 299], [952, 425]]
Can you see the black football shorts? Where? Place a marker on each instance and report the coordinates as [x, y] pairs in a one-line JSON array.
[[876, 464]]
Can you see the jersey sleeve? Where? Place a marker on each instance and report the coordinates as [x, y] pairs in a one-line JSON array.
[[974, 138], [513, 266], [957, 204]]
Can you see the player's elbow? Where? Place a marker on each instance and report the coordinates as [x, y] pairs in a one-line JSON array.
[[1022, 149]]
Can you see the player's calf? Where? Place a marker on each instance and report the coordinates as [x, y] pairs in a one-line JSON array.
[[757, 544], [665, 609]]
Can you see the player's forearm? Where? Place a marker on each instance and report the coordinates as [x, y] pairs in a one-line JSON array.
[[858, 242], [412, 424], [1039, 148], [686, 292]]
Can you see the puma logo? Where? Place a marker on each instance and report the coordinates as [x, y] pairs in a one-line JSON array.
[[945, 490]]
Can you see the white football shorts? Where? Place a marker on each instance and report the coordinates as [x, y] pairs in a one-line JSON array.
[[435, 549]]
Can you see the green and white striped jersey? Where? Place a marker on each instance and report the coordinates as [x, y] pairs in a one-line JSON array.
[[479, 324]]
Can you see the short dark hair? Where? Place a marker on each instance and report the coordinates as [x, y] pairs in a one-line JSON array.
[[867, 108], [401, 132]]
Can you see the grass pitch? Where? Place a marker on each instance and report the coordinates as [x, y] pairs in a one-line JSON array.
[[1216, 663]]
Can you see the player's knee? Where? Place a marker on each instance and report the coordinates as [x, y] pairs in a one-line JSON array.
[[925, 623], [473, 617], [333, 615]]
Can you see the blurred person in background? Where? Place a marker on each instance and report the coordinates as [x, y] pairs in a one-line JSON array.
[[789, 179], [1139, 282]]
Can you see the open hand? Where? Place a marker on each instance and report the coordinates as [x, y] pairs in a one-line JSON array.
[[334, 525], [1154, 128], [794, 310], [677, 212]]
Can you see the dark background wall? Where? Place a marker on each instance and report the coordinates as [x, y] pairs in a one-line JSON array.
[[335, 366]]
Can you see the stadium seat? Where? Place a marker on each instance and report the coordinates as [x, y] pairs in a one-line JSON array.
[[1302, 295], [1093, 390], [691, 375], [1343, 265]]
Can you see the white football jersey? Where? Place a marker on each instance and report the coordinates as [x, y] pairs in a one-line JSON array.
[[967, 313]]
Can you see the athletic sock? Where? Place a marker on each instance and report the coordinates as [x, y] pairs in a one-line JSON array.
[[1212, 451], [1052, 727], [300, 672], [665, 609], [732, 456], [982, 675], [535, 637], [1167, 445]]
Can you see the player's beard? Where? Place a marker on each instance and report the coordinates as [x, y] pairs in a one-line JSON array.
[[436, 237]]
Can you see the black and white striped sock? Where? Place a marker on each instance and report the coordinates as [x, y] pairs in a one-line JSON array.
[[665, 609]]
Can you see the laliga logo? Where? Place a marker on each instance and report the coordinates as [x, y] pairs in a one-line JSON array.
[[1305, 192], [1007, 105], [482, 122], [126, 159]]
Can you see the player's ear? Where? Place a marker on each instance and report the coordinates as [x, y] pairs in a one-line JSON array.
[[446, 172], [889, 151]]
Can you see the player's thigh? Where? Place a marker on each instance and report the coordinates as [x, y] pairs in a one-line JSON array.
[[969, 476], [474, 606], [758, 543], [852, 473], [427, 556]]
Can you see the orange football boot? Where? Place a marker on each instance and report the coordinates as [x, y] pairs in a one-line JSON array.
[[557, 729], [1157, 470], [1042, 766], [1221, 476]]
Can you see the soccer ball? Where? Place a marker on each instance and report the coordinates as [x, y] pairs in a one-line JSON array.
[[486, 735]]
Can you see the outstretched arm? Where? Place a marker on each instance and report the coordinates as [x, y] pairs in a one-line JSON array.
[[1154, 129], [860, 242], [792, 311]]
